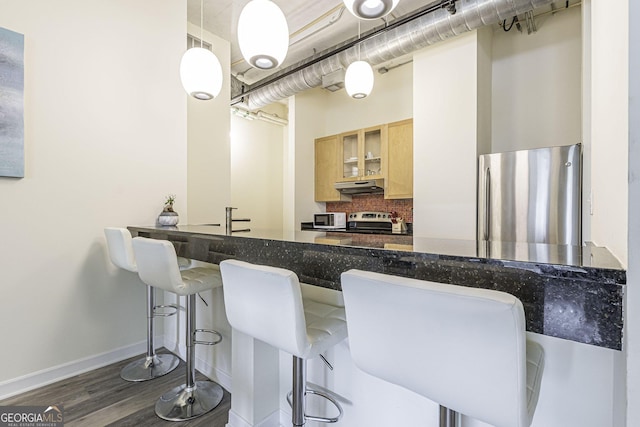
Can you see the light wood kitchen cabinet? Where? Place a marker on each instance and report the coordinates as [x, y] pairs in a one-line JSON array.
[[398, 183], [362, 153], [327, 155], [379, 152]]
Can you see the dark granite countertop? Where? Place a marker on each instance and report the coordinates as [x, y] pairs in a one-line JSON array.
[[308, 226], [569, 292]]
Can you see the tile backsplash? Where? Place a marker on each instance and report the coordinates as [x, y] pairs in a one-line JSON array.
[[374, 202]]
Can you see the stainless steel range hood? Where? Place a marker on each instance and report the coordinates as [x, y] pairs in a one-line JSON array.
[[370, 186]]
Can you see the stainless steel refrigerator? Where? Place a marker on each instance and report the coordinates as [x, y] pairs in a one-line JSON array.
[[531, 196]]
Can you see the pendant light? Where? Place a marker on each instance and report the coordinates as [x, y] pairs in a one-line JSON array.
[[263, 34], [200, 70], [370, 9], [358, 80]]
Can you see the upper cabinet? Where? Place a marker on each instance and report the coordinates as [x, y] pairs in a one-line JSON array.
[[398, 183], [327, 153], [379, 152], [362, 153]]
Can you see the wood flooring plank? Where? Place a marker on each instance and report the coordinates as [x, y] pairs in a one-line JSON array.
[[146, 417], [100, 398]]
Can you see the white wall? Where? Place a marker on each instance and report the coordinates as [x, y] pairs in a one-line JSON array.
[[289, 172], [586, 120], [209, 165], [537, 84], [632, 318], [390, 100], [606, 120], [257, 170], [446, 137], [105, 142], [306, 123], [608, 124]]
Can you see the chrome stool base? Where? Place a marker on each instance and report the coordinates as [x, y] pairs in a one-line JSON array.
[[296, 397], [180, 404], [149, 368], [330, 398]]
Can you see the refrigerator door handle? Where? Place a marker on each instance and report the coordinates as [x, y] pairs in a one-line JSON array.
[[487, 203]]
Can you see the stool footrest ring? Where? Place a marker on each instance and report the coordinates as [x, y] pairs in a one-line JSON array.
[[172, 307], [321, 394], [207, 331]]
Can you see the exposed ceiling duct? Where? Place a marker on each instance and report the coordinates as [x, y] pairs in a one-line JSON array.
[[413, 33]]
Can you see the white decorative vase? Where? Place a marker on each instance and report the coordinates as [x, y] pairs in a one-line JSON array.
[[168, 218]]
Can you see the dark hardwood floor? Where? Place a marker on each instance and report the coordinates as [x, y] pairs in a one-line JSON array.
[[102, 398]]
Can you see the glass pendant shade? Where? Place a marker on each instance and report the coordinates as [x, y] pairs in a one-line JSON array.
[[370, 9], [263, 34], [201, 73], [358, 80]]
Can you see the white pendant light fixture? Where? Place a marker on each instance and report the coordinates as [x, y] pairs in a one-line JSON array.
[[263, 34], [358, 80], [370, 9], [200, 70]]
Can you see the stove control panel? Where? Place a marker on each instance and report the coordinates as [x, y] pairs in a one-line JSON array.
[[370, 216]]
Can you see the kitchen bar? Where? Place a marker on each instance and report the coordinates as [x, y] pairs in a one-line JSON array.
[[570, 292]]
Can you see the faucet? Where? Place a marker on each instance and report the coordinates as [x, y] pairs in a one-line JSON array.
[[230, 220]]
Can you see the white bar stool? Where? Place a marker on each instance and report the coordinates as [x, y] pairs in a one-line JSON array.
[[461, 347], [266, 303], [158, 267], [152, 365]]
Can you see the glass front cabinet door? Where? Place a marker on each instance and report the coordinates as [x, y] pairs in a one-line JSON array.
[[362, 153], [350, 155]]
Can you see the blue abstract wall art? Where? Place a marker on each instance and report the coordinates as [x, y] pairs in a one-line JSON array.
[[11, 104]]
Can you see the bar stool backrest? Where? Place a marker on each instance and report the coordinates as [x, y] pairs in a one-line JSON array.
[[461, 347], [158, 264], [265, 303], [120, 248]]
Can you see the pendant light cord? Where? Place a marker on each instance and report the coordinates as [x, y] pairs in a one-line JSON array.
[[359, 40], [201, 20]]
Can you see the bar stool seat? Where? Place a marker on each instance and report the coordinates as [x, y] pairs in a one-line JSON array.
[[119, 244], [463, 348], [266, 303], [158, 267]]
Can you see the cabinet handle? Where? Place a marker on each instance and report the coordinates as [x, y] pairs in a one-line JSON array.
[[487, 203]]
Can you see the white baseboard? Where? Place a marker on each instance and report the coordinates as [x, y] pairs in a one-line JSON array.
[[47, 376], [272, 420], [51, 375]]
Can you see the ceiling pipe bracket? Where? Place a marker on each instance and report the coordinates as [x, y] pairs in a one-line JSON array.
[[450, 6]]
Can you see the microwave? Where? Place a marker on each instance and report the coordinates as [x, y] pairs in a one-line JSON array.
[[330, 220]]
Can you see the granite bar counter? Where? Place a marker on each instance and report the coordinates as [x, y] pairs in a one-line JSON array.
[[569, 292]]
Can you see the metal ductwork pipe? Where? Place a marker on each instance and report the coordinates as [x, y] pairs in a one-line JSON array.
[[416, 34]]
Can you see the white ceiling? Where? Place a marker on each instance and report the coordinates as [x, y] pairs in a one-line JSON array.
[[333, 23]]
